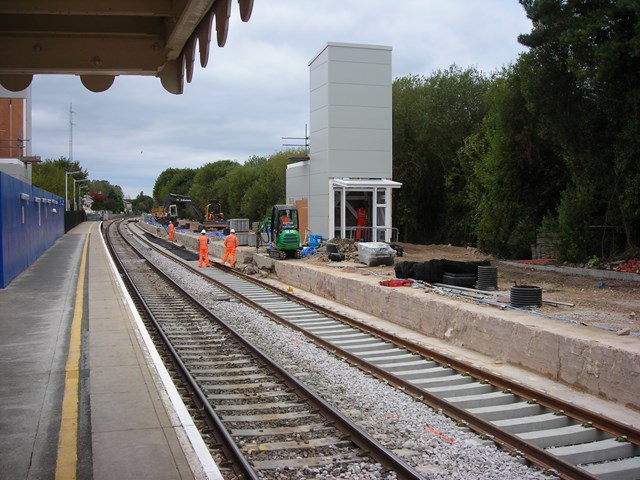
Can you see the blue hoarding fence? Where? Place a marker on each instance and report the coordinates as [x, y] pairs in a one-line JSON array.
[[31, 220]]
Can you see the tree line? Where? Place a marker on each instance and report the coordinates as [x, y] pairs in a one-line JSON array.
[[246, 190], [548, 145], [57, 176]]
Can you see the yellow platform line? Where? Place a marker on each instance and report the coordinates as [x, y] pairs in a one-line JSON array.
[[67, 461]]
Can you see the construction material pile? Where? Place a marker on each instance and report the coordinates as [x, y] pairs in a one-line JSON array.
[[374, 254], [434, 271], [343, 246]]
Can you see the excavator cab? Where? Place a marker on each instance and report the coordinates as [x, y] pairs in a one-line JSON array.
[[213, 211]]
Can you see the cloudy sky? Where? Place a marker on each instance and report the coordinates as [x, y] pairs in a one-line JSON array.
[[255, 90]]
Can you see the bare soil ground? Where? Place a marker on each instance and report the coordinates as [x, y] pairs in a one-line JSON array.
[[611, 304]]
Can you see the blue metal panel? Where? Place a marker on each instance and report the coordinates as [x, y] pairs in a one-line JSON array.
[[28, 225]]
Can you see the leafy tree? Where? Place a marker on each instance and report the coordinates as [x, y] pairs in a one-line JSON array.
[[244, 190], [408, 161], [269, 188], [99, 200], [241, 180], [586, 99], [432, 117], [172, 180], [142, 203], [50, 176], [208, 183], [106, 196], [517, 177]]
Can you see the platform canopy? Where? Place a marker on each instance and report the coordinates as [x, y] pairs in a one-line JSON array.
[[101, 39], [360, 183]]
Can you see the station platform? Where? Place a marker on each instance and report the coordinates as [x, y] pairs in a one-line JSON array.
[[81, 394]]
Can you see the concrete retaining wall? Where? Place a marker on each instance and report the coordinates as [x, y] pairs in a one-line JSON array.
[[599, 363]]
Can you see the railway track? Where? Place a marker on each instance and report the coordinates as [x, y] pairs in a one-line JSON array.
[[263, 418], [556, 435]]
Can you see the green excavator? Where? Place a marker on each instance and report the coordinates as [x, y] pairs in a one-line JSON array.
[[280, 233]]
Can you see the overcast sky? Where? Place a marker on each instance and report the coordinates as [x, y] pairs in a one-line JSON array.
[[255, 90]]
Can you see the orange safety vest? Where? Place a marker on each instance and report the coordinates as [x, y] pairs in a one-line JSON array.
[[203, 242], [231, 241]]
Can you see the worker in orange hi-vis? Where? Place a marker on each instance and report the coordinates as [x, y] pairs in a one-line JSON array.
[[284, 219], [172, 230], [230, 244], [361, 220], [203, 243]]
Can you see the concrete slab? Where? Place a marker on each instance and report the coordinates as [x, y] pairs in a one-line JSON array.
[[138, 414], [135, 434], [133, 453], [113, 355], [115, 379]]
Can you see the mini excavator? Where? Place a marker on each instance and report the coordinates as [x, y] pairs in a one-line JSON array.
[[280, 233]]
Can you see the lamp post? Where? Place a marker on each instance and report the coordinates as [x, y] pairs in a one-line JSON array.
[[80, 187], [75, 207], [66, 189]]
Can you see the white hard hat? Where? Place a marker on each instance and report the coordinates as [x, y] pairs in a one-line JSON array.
[[233, 230], [203, 231]]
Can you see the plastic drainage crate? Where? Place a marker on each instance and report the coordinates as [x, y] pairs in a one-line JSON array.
[[239, 224], [251, 239], [243, 238], [373, 254]]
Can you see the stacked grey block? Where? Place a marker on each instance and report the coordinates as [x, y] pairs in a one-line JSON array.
[[241, 226]]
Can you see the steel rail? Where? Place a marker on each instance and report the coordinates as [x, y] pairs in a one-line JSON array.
[[499, 436], [360, 437], [512, 442], [228, 445], [578, 413]]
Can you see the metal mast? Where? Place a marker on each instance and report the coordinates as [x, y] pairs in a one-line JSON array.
[[71, 112]]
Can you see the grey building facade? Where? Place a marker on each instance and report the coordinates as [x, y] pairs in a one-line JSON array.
[[350, 160]]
